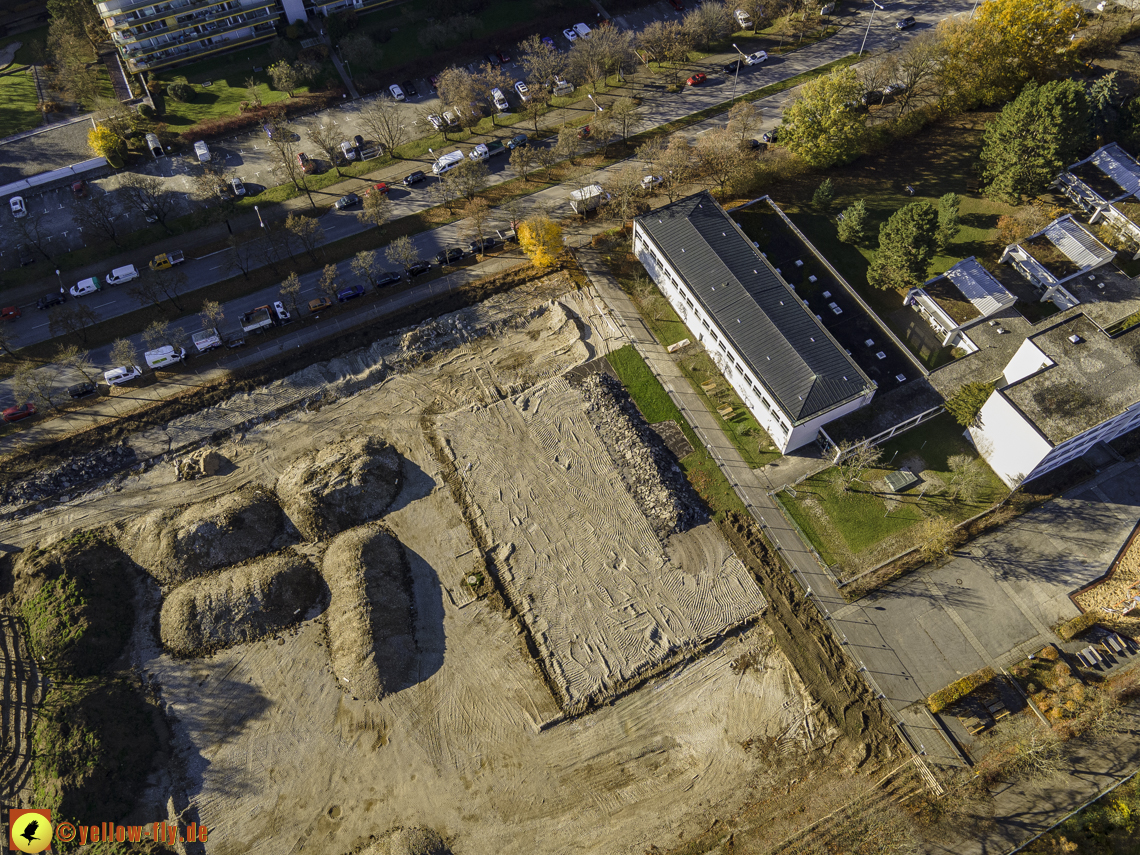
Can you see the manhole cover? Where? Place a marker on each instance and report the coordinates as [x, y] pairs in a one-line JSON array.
[[959, 581]]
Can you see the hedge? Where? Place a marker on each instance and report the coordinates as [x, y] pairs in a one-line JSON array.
[[959, 689], [1073, 627]]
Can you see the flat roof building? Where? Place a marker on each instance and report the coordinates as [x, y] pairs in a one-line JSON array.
[[964, 295]]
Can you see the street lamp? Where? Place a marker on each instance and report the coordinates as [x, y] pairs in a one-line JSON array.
[[875, 6], [258, 212], [736, 76], [592, 101], [60, 278]]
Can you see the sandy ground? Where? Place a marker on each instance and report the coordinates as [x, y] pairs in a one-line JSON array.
[[276, 758], [1123, 582]]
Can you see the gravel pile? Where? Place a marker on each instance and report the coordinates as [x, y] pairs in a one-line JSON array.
[[177, 544], [238, 605], [345, 484], [416, 841], [371, 639], [97, 466], [647, 467]]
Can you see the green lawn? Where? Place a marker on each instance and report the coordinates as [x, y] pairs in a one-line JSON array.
[[1109, 826], [656, 405], [18, 97], [857, 528], [27, 54]]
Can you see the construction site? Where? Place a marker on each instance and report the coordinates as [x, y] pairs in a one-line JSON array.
[[461, 598]]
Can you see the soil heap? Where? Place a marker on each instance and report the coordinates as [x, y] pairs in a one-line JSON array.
[[345, 484], [177, 544], [371, 640], [238, 605]]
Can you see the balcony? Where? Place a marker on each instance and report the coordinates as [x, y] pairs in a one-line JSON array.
[[177, 54], [203, 21], [185, 41]]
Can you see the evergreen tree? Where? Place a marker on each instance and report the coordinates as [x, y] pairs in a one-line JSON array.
[[824, 193], [906, 247], [853, 225], [948, 222]]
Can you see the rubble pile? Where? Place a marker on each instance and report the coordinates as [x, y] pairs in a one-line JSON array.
[[94, 467]]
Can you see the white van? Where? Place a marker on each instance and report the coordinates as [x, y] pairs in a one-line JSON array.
[[203, 151], [562, 88], [582, 30], [122, 274], [155, 146], [86, 286], [744, 19], [164, 356], [447, 162], [122, 374]]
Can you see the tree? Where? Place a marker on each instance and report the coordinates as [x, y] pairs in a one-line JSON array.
[[824, 194], [468, 178], [148, 193], [626, 113], [283, 154], [1025, 221], [402, 252], [253, 92], [33, 228], [7, 340], [171, 283], [718, 157], [492, 77], [602, 130], [916, 68], [329, 282], [906, 247], [284, 77], [541, 239], [375, 209], [541, 63], [244, 254], [40, 386], [967, 477], [707, 22], [72, 318], [674, 163], [363, 265], [568, 143], [307, 231], [105, 143], [853, 223], [327, 139], [162, 334], [290, 291], [360, 50], [822, 125], [853, 460], [757, 10], [535, 108], [522, 161], [666, 42], [124, 352], [743, 118], [77, 360], [95, 212], [949, 225], [383, 120], [1034, 138], [211, 315], [966, 403], [624, 188], [456, 87], [476, 215]]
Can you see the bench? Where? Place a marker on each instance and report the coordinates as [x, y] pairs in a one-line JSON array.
[[1090, 657], [708, 385], [725, 411], [1115, 645], [997, 710]]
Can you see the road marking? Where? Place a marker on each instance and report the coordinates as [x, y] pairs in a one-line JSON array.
[[101, 305]]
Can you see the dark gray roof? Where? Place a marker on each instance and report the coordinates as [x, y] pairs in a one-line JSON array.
[[784, 344]]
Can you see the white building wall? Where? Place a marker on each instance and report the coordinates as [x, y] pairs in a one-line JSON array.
[[760, 403], [1007, 441], [1079, 444], [1029, 359]]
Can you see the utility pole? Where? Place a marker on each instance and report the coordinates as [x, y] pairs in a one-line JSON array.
[[875, 8]]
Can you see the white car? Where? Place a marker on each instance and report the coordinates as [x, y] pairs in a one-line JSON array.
[[500, 100], [87, 286], [203, 151], [238, 186], [436, 121], [347, 150], [582, 30], [120, 375], [522, 90], [894, 89], [650, 181], [397, 92], [755, 58], [450, 118], [571, 34], [18, 209]]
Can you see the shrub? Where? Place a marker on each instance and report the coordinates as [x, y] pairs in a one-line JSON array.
[[1050, 653], [180, 91], [49, 107], [292, 32], [314, 55], [146, 111], [1061, 670], [965, 404], [1070, 629], [959, 689]]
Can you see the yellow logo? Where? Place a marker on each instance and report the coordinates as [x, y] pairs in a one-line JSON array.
[[29, 830]]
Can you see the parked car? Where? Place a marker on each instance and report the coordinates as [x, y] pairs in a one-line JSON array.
[[346, 201], [769, 136], [347, 150], [26, 256], [571, 34], [906, 23], [269, 130], [86, 286], [752, 145], [380, 187], [500, 100], [409, 89], [417, 269], [517, 141], [678, 5], [126, 273], [522, 90], [549, 42], [436, 121], [450, 119], [358, 141], [650, 181], [10, 313], [433, 82], [480, 248], [493, 60], [582, 30], [53, 299], [319, 304], [756, 58], [733, 67], [82, 390], [350, 293], [873, 97], [503, 56], [14, 414], [584, 132], [414, 178], [122, 374], [894, 89], [16, 203], [79, 189], [238, 186], [203, 151], [306, 164], [387, 277], [697, 79], [397, 92], [449, 256], [150, 214]]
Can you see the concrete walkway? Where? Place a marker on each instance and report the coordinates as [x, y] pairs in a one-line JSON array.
[[353, 93]]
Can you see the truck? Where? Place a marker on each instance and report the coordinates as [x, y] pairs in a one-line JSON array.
[[484, 151], [588, 198], [167, 260], [447, 162], [206, 340], [257, 320]]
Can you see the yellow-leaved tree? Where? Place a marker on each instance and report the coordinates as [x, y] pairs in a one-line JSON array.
[[105, 143], [541, 239]]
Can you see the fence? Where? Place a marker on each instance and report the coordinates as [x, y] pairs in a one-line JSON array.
[[66, 173], [881, 437]]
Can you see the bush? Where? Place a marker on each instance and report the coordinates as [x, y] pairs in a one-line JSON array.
[[959, 689], [180, 91], [314, 55], [292, 32], [1050, 653], [146, 111], [1073, 627]]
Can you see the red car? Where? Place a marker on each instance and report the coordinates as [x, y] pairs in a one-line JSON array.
[[678, 5], [79, 188], [381, 188], [14, 414], [10, 313], [697, 79], [504, 57], [584, 132], [306, 164], [434, 81]]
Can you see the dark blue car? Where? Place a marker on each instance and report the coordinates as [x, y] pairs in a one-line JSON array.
[[350, 293]]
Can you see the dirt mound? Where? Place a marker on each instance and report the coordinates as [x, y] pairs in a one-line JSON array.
[[201, 464], [238, 605], [646, 465], [76, 597], [177, 544], [415, 841], [370, 636], [343, 485]]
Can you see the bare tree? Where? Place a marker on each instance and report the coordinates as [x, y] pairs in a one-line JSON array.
[[172, 284], [212, 315], [326, 138], [96, 213], [541, 63], [442, 192], [568, 143], [675, 165], [492, 77], [40, 386], [383, 119], [283, 155], [363, 264], [624, 188], [6, 340], [476, 216], [375, 210], [522, 161], [330, 281], [743, 119], [72, 318], [243, 256], [535, 108], [917, 70], [967, 477], [162, 334], [708, 22], [626, 112], [78, 360], [148, 193], [718, 158], [124, 352], [403, 252], [33, 228], [935, 537], [468, 178], [854, 461], [666, 42], [307, 231], [290, 291], [457, 88]]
